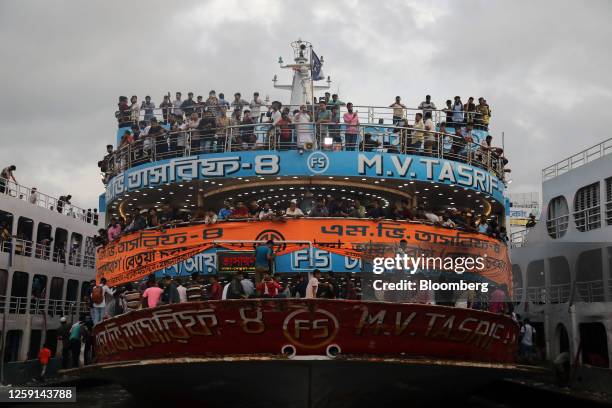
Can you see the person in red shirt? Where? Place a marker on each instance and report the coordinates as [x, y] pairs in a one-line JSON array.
[[241, 211], [285, 132], [268, 287], [43, 357], [216, 290]]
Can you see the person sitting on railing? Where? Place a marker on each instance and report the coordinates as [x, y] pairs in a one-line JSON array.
[[123, 113], [398, 110], [351, 120], [293, 211], [470, 110], [166, 107], [368, 144], [7, 175], [285, 133], [255, 106], [458, 110], [147, 106], [212, 102], [427, 106], [484, 113], [247, 131]]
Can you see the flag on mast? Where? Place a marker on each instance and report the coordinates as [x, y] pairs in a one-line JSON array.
[[315, 67]]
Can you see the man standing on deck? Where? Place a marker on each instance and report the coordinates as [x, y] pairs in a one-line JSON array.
[[398, 110], [313, 285], [63, 334], [5, 176], [427, 106], [264, 256], [98, 297]]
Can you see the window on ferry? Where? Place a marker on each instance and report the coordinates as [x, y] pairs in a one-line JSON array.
[[594, 342], [12, 343], [72, 290], [25, 229], [19, 292], [6, 220], [56, 293], [557, 217], [43, 241], [589, 282], [39, 293], [536, 287], [89, 258], [76, 244], [517, 284], [609, 201], [3, 286], [59, 245], [560, 280], [587, 211], [35, 338]]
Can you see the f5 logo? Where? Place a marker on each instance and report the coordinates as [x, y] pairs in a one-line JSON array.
[[317, 162]]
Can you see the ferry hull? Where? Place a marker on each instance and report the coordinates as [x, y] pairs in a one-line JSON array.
[[260, 381]]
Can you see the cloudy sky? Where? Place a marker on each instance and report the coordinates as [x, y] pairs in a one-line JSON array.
[[544, 67]]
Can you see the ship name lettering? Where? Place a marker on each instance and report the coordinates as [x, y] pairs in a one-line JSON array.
[[368, 320], [401, 168], [363, 162], [252, 325], [223, 166], [400, 326]]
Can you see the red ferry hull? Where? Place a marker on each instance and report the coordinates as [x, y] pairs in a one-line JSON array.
[[307, 327]]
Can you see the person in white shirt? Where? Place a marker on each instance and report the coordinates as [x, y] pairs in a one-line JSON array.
[[177, 105], [527, 334], [427, 106], [33, 199], [313, 284], [248, 286], [255, 106], [182, 291], [303, 127], [266, 212], [210, 218], [293, 210]]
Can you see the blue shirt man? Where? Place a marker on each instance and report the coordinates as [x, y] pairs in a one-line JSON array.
[[263, 257]]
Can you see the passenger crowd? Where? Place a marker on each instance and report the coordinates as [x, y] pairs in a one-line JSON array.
[[309, 206], [207, 121]]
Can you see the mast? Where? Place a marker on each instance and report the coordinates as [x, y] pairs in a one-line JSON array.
[[302, 87]]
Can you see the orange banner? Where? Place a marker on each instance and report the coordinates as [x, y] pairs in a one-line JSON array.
[[136, 255]]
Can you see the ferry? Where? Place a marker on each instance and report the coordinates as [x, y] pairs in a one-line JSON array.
[[562, 267], [295, 351], [47, 263]]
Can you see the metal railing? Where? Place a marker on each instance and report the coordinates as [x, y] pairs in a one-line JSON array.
[[365, 113], [519, 238], [307, 136], [536, 294], [590, 291], [578, 159], [37, 306], [43, 200], [588, 219], [609, 212], [557, 226], [22, 247], [559, 293]]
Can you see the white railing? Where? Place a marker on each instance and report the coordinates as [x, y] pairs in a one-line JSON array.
[[517, 294], [43, 200], [37, 306], [167, 144], [609, 212], [588, 218], [536, 294], [578, 159], [559, 293], [22, 247], [590, 291], [557, 226]]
